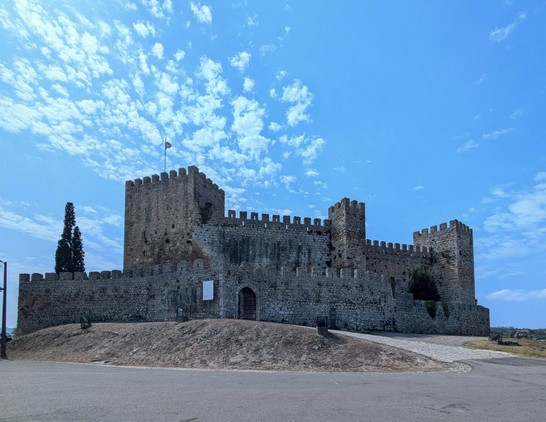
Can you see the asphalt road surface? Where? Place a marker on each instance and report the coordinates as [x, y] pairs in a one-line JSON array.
[[496, 389]]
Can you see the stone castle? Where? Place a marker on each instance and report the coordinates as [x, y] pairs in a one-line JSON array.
[[185, 259]]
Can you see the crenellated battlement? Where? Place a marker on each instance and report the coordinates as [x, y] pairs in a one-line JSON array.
[[443, 228], [398, 248], [284, 222], [346, 203], [182, 266], [173, 175]]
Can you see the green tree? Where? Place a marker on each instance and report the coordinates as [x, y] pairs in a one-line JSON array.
[[422, 286], [69, 256], [78, 264]]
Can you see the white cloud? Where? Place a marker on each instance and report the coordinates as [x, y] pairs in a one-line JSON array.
[[37, 226], [418, 188], [274, 127], [158, 9], [144, 29], [252, 20], [307, 148], [248, 85], [157, 50], [312, 173], [496, 134], [203, 13], [515, 228], [211, 72], [300, 97], [179, 55], [55, 73], [491, 136], [241, 60], [248, 124], [287, 181], [129, 5], [517, 295], [467, 146], [500, 34]]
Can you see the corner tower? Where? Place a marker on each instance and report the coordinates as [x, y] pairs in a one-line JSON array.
[[160, 213], [348, 233], [452, 256]]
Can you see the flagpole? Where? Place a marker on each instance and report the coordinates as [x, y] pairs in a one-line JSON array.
[[165, 162]]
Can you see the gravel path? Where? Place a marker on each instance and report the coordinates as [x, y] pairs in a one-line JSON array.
[[447, 349]]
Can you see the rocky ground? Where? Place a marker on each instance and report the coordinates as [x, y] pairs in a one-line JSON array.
[[217, 344]]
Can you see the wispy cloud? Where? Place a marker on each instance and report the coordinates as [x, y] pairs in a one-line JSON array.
[[307, 148], [144, 29], [252, 20], [517, 295], [473, 143], [300, 98], [500, 34], [241, 60], [516, 227], [202, 13], [91, 220]]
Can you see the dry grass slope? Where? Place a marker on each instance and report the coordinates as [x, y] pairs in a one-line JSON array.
[[527, 347], [216, 344]]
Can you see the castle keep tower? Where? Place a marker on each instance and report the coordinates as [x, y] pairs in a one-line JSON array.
[[160, 213], [348, 233], [453, 259]]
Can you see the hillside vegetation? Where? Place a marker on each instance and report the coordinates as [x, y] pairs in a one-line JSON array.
[[215, 344]]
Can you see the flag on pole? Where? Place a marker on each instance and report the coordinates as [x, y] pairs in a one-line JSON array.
[[168, 144]]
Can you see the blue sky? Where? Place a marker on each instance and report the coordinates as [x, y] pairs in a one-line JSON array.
[[427, 111]]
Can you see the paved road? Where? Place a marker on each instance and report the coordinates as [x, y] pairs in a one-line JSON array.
[[495, 390]]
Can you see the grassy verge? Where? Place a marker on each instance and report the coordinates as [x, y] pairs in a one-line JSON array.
[[527, 347]]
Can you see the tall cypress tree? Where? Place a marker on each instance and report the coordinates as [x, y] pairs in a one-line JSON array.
[[69, 256], [78, 254]]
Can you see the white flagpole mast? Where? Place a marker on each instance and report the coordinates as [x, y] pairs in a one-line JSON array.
[[165, 162]]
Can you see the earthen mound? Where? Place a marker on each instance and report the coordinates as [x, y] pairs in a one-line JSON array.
[[215, 344]]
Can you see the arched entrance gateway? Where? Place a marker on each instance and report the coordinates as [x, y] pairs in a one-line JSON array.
[[247, 304]]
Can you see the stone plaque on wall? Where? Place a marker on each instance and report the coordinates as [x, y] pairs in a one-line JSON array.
[[208, 290]]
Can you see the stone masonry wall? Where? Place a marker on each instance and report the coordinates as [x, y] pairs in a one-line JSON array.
[[352, 299], [266, 242], [164, 293]]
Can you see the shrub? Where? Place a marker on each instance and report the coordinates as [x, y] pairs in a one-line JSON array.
[[431, 308], [422, 286]]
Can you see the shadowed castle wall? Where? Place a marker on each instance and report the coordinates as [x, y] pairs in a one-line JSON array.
[[267, 241]]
